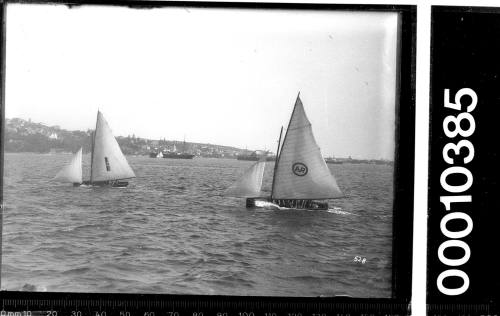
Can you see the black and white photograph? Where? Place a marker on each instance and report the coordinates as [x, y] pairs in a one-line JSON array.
[[201, 150]]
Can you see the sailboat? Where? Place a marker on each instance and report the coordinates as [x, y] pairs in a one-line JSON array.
[[108, 164], [301, 178]]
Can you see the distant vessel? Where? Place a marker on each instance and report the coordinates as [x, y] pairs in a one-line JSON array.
[[156, 154], [255, 156], [178, 155], [108, 164], [172, 155], [333, 160], [301, 177]]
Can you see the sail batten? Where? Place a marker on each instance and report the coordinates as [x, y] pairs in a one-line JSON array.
[[73, 171], [250, 184], [108, 161], [301, 171]]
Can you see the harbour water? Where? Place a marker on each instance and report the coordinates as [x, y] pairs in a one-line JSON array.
[[173, 231]]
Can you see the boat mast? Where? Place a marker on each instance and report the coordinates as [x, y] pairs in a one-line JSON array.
[[92, 149], [91, 156], [278, 156], [276, 161]]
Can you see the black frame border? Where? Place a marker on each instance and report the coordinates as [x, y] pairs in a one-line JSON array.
[[403, 183], [483, 299]]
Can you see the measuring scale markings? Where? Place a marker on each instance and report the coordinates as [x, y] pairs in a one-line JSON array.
[[143, 305]]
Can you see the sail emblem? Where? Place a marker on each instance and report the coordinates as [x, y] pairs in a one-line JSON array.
[[299, 169], [108, 168]]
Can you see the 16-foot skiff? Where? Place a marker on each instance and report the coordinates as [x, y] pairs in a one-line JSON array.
[[109, 167], [301, 178]]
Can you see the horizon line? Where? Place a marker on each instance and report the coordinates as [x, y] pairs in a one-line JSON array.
[[202, 143]]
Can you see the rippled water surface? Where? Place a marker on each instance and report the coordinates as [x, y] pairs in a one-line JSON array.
[[172, 231]]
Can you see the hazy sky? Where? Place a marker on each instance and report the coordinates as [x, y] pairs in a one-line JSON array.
[[221, 76]]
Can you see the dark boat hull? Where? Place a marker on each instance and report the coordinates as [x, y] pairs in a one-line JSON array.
[[178, 156], [282, 203], [253, 158], [113, 184], [333, 161]]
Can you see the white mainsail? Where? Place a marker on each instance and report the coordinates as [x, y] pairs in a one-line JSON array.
[[73, 171], [249, 185], [108, 161], [302, 172]]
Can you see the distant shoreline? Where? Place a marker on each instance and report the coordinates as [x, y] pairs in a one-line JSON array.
[[25, 136], [341, 160]]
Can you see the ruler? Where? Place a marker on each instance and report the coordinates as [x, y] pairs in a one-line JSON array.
[[79, 304]]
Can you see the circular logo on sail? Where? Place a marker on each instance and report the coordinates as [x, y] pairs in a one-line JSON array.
[[299, 169]]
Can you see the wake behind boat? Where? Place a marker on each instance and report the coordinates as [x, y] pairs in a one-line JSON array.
[[301, 178], [108, 164]]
